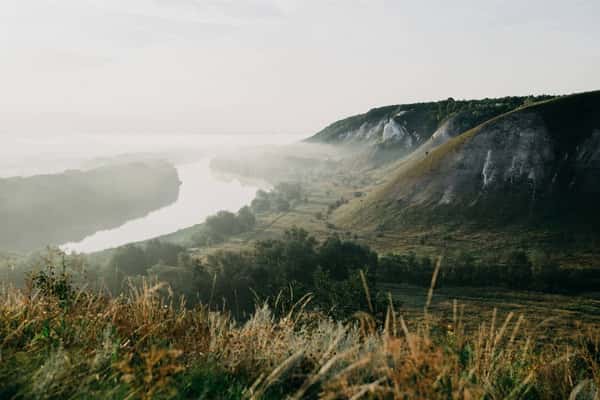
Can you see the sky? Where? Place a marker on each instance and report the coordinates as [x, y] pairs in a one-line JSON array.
[[276, 66]]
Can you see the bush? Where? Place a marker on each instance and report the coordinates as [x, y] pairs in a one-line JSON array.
[[130, 259], [53, 284], [224, 224], [280, 199], [282, 205], [245, 219]]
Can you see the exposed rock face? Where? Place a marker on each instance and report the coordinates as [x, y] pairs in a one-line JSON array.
[[540, 162], [392, 132], [587, 164], [367, 132], [514, 150], [390, 129]]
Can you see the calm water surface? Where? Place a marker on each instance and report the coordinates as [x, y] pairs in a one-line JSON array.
[[202, 192]]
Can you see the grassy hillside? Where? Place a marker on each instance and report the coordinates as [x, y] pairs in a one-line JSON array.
[[418, 184], [551, 209]]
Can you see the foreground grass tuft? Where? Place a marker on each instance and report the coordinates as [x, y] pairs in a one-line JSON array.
[[148, 346]]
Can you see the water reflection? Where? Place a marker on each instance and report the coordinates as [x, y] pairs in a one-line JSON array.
[[201, 194]]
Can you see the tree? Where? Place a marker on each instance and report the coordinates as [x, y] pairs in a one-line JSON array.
[[158, 251], [261, 202], [246, 219], [339, 258], [223, 223], [289, 191], [129, 260], [293, 258], [282, 205]]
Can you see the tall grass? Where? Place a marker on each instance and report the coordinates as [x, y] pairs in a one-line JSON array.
[[148, 345]]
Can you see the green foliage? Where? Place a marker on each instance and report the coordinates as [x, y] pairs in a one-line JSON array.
[[339, 258], [516, 269], [52, 283], [206, 237], [138, 259], [224, 224], [181, 278], [292, 259], [130, 259], [280, 199], [246, 219], [262, 202], [296, 263], [426, 118], [210, 382]]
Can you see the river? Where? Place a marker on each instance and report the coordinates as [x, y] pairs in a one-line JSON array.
[[201, 194]]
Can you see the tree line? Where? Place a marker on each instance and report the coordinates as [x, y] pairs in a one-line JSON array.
[[282, 270], [515, 269], [297, 264]]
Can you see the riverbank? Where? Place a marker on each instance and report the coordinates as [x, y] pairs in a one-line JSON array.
[[52, 209]]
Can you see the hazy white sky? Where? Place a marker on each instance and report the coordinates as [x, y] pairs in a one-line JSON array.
[[276, 66]]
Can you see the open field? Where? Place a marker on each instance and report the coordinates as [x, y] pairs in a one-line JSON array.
[[549, 316]]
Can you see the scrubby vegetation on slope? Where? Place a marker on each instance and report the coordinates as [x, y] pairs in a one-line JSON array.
[[426, 118]]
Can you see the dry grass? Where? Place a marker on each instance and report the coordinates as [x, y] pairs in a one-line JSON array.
[[147, 345]]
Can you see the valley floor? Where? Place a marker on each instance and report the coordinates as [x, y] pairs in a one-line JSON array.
[[550, 316]]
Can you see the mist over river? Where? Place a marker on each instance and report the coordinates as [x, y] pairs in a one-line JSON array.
[[202, 193]]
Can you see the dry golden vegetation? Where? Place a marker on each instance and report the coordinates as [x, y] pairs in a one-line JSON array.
[[58, 342]]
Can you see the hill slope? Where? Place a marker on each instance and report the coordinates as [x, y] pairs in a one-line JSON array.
[[537, 164], [392, 132]]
